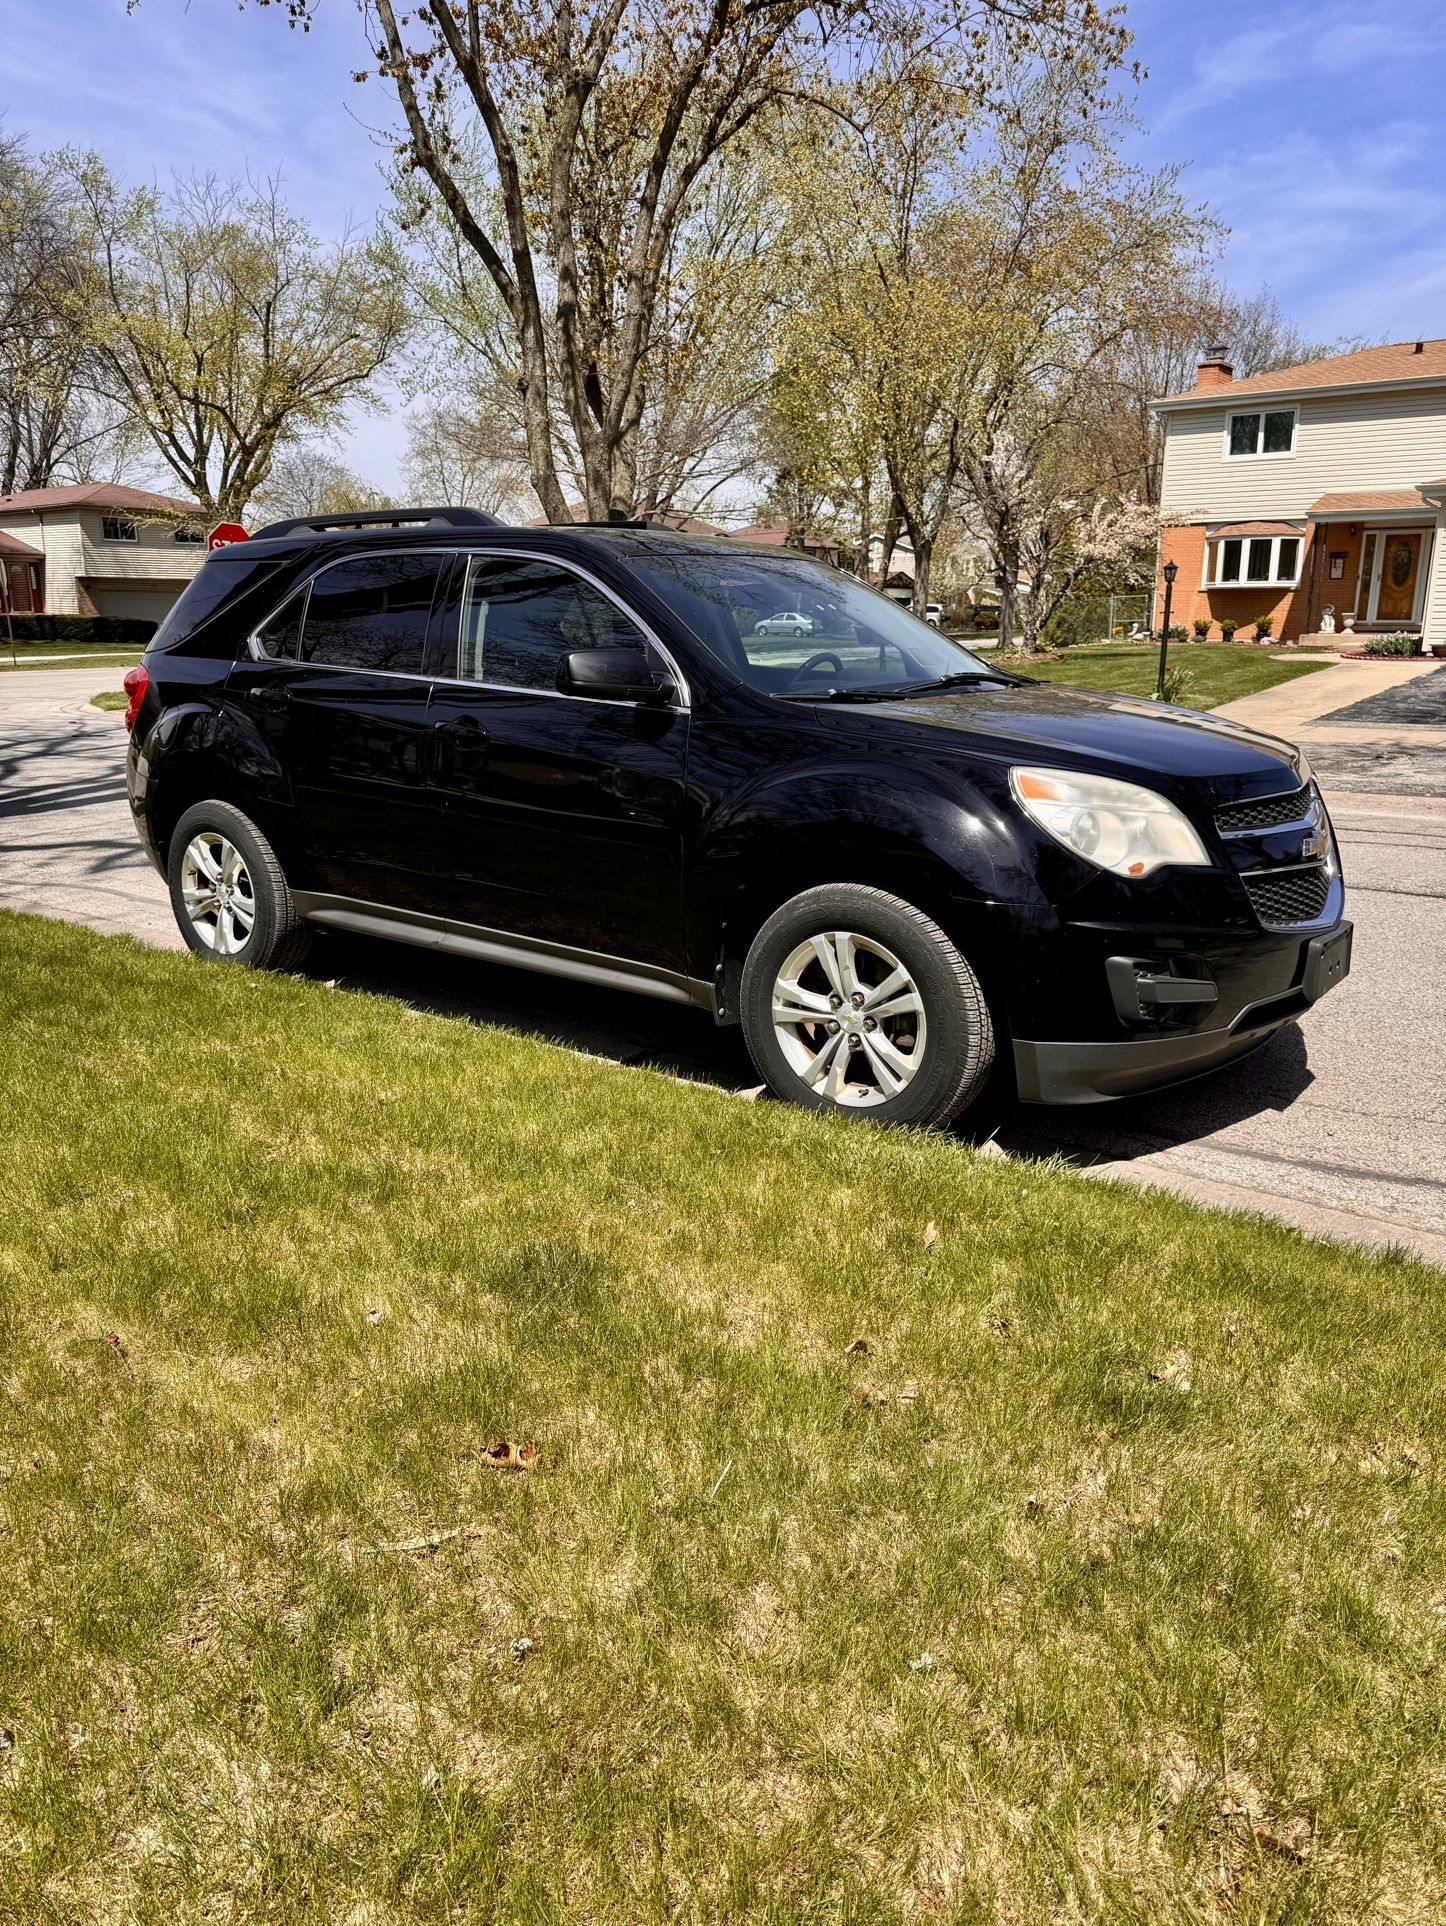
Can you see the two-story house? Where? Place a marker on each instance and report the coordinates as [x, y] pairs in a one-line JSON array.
[[1311, 488], [98, 548]]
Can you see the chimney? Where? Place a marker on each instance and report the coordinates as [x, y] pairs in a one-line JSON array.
[[1214, 370]]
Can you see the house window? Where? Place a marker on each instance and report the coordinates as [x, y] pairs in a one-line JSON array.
[[188, 537], [1269, 432], [1256, 561], [115, 528]]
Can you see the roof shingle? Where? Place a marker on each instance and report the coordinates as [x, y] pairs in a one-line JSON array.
[[1398, 361], [95, 495]]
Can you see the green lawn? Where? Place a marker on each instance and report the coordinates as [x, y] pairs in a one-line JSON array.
[[1107, 1583], [110, 699], [1217, 674], [99, 659]]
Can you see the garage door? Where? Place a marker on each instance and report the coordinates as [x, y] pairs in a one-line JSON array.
[[145, 605]]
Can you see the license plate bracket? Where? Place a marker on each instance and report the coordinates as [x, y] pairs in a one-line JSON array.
[[1327, 962]]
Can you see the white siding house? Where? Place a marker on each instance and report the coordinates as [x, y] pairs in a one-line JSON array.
[[98, 549], [1312, 495]]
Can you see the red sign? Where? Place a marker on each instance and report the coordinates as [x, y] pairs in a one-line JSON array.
[[223, 534]]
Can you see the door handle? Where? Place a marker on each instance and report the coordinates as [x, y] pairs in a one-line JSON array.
[[268, 696], [461, 728]]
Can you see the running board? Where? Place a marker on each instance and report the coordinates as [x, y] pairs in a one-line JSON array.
[[499, 946]]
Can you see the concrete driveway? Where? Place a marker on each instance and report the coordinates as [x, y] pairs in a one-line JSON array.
[[1337, 1126]]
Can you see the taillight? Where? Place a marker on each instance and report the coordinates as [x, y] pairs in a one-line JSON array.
[[137, 681]]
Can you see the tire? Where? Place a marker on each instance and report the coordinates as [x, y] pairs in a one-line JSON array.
[[256, 889], [865, 1068]]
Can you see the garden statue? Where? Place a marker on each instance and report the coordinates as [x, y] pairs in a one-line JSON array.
[[1328, 619]]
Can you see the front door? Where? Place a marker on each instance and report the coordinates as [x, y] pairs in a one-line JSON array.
[[561, 815], [1400, 573]]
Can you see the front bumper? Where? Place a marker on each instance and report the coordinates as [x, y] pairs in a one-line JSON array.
[[1096, 1071]]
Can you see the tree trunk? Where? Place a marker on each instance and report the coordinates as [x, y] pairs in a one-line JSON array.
[[923, 568]]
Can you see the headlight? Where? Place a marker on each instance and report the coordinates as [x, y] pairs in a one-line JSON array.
[[1117, 825]]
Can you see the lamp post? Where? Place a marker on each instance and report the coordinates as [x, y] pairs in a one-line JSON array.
[[1169, 571]]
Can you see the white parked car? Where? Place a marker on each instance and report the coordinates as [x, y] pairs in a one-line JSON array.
[[787, 622], [934, 614]]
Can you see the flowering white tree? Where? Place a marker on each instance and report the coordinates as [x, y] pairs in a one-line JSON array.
[[1049, 532]]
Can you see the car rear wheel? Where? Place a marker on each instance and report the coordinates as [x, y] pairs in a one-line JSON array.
[[853, 1000], [228, 891]]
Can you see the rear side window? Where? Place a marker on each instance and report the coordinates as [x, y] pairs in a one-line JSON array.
[[221, 580], [371, 613], [519, 619]]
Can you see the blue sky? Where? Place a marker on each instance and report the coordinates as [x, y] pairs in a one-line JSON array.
[[1314, 128]]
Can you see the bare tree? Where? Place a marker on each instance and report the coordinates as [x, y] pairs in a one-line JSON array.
[[597, 128], [224, 326], [460, 453], [309, 480]]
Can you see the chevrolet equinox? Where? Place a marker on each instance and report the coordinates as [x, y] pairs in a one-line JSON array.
[[733, 778]]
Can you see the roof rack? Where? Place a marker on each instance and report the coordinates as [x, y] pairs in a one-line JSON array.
[[614, 521], [384, 518]]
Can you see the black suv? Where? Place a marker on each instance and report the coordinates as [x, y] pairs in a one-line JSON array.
[[729, 777]]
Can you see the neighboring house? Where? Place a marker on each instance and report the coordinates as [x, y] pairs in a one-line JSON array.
[[1315, 486], [779, 535], [98, 549]]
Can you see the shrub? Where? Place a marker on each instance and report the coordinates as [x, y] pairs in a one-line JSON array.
[[1394, 645], [1228, 627], [1178, 684], [1178, 633], [1263, 628], [85, 631], [1202, 628]]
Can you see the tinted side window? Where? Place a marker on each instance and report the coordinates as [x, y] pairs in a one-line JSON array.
[[519, 619], [279, 634], [223, 578], [372, 613]]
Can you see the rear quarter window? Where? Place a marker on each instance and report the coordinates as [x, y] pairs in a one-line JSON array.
[[224, 579]]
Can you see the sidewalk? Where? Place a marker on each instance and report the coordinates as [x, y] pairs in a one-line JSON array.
[[1350, 748]]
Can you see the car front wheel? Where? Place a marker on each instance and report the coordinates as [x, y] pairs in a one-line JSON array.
[[853, 1000], [228, 891]]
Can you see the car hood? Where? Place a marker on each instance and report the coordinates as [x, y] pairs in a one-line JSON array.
[[1118, 735]]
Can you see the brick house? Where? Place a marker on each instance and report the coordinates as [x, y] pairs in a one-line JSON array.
[[1311, 487], [98, 548]]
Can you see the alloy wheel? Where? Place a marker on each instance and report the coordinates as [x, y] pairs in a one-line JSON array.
[[216, 889], [849, 1018]]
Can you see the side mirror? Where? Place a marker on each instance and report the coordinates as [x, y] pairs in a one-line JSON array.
[[612, 675]]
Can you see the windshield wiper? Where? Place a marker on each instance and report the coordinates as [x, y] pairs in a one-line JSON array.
[[955, 680]]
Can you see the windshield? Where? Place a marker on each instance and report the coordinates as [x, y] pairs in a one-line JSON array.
[[793, 627]]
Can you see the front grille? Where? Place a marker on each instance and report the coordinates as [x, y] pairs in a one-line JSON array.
[[1284, 897], [1266, 812]]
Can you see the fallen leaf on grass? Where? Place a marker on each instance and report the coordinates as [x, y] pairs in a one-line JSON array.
[[374, 1316], [523, 1648], [931, 1236], [1291, 1839], [877, 1394], [860, 1348], [506, 1456], [1175, 1371], [923, 1663]]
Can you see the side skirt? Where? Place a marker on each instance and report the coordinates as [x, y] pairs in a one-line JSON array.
[[500, 946]]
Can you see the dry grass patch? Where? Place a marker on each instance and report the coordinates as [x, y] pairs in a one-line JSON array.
[[1116, 1596]]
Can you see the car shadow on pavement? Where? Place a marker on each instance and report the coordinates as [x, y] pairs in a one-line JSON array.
[[1271, 1078], [629, 1029]]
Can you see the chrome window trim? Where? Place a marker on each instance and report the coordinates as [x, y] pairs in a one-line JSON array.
[[681, 706], [680, 681], [253, 641]]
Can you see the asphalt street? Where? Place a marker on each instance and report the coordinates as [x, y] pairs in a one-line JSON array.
[[1338, 1126]]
